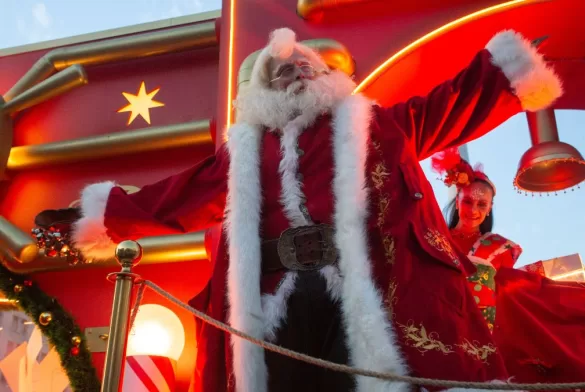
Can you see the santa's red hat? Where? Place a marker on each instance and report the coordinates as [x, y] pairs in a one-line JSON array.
[[282, 44]]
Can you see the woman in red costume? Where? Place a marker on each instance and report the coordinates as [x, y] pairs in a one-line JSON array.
[[540, 328], [470, 220]]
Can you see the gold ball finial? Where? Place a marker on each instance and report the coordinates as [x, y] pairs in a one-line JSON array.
[[128, 253]]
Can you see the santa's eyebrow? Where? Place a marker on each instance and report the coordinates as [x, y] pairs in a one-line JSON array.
[[281, 68]]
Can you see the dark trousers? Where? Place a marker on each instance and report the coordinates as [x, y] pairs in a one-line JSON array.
[[314, 327]]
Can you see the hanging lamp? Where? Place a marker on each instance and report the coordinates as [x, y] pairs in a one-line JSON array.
[[549, 165]]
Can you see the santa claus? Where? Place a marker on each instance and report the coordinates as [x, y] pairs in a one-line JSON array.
[[334, 244]]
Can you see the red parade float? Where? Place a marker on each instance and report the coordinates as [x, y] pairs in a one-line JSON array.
[[145, 102]]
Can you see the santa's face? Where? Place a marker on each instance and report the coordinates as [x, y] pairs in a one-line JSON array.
[[474, 202], [297, 90], [291, 74]]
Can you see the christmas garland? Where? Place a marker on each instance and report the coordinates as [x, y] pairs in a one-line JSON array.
[[57, 325]]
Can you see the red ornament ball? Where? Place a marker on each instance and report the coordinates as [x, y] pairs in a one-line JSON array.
[[75, 351], [28, 283]]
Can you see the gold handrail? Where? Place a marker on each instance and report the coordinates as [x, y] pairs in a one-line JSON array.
[[58, 84], [22, 255], [159, 42], [109, 145]]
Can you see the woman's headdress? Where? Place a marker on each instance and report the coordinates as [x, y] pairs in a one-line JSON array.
[[456, 170]]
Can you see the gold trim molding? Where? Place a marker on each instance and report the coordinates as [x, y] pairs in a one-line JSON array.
[[110, 145], [113, 33], [21, 255], [309, 9], [335, 54]]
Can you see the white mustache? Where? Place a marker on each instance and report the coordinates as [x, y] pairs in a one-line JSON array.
[[294, 87]]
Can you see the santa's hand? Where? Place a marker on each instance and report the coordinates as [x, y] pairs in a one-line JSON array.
[[63, 217], [52, 233]]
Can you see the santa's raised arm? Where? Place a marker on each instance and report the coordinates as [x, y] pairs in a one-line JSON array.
[[334, 244]]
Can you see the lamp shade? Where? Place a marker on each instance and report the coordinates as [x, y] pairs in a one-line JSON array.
[[156, 331], [549, 165]]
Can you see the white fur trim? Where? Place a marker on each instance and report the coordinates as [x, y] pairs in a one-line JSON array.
[[370, 336], [244, 204], [291, 194], [334, 281], [282, 43], [89, 233], [534, 83], [275, 306]]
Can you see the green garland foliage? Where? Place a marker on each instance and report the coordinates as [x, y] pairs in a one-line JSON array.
[[75, 359]]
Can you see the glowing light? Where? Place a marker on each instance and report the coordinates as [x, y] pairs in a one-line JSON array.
[[571, 274], [432, 35], [156, 331], [140, 104], [230, 64]]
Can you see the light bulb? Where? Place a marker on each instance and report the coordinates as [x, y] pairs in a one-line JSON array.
[[156, 331], [150, 338]]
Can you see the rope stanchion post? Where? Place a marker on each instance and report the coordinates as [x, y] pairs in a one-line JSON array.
[[128, 254]]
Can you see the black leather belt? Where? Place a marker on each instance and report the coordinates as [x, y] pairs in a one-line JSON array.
[[305, 248]]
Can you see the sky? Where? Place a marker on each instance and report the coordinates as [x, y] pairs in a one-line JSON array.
[[545, 227]]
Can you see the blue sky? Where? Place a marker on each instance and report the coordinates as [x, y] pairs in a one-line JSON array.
[[545, 227]]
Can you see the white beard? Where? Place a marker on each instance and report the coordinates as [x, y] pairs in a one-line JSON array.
[[273, 109]]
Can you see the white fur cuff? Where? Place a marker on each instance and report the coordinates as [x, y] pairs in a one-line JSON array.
[[90, 233], [534, 83]]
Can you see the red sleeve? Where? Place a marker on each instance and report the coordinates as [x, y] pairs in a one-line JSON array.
[[189, 201], [505, 78], [507, 259]]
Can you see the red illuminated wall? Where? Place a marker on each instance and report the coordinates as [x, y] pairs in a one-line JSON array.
[[188, 89]]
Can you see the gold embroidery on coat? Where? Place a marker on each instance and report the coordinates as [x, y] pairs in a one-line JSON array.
[[379, 175], [391, 298], [383, 205], [442, 244], [389, 249], [418, 338], [480, 353]]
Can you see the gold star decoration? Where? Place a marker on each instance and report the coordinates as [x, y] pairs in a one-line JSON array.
[[140, 104]]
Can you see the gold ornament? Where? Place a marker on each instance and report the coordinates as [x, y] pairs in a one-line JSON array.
[[76, 340], [18, 288], [45, 318]]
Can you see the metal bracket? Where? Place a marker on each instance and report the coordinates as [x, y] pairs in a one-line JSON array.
[[97, 339]]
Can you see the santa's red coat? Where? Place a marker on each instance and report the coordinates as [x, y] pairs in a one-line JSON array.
[[409, 271]]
